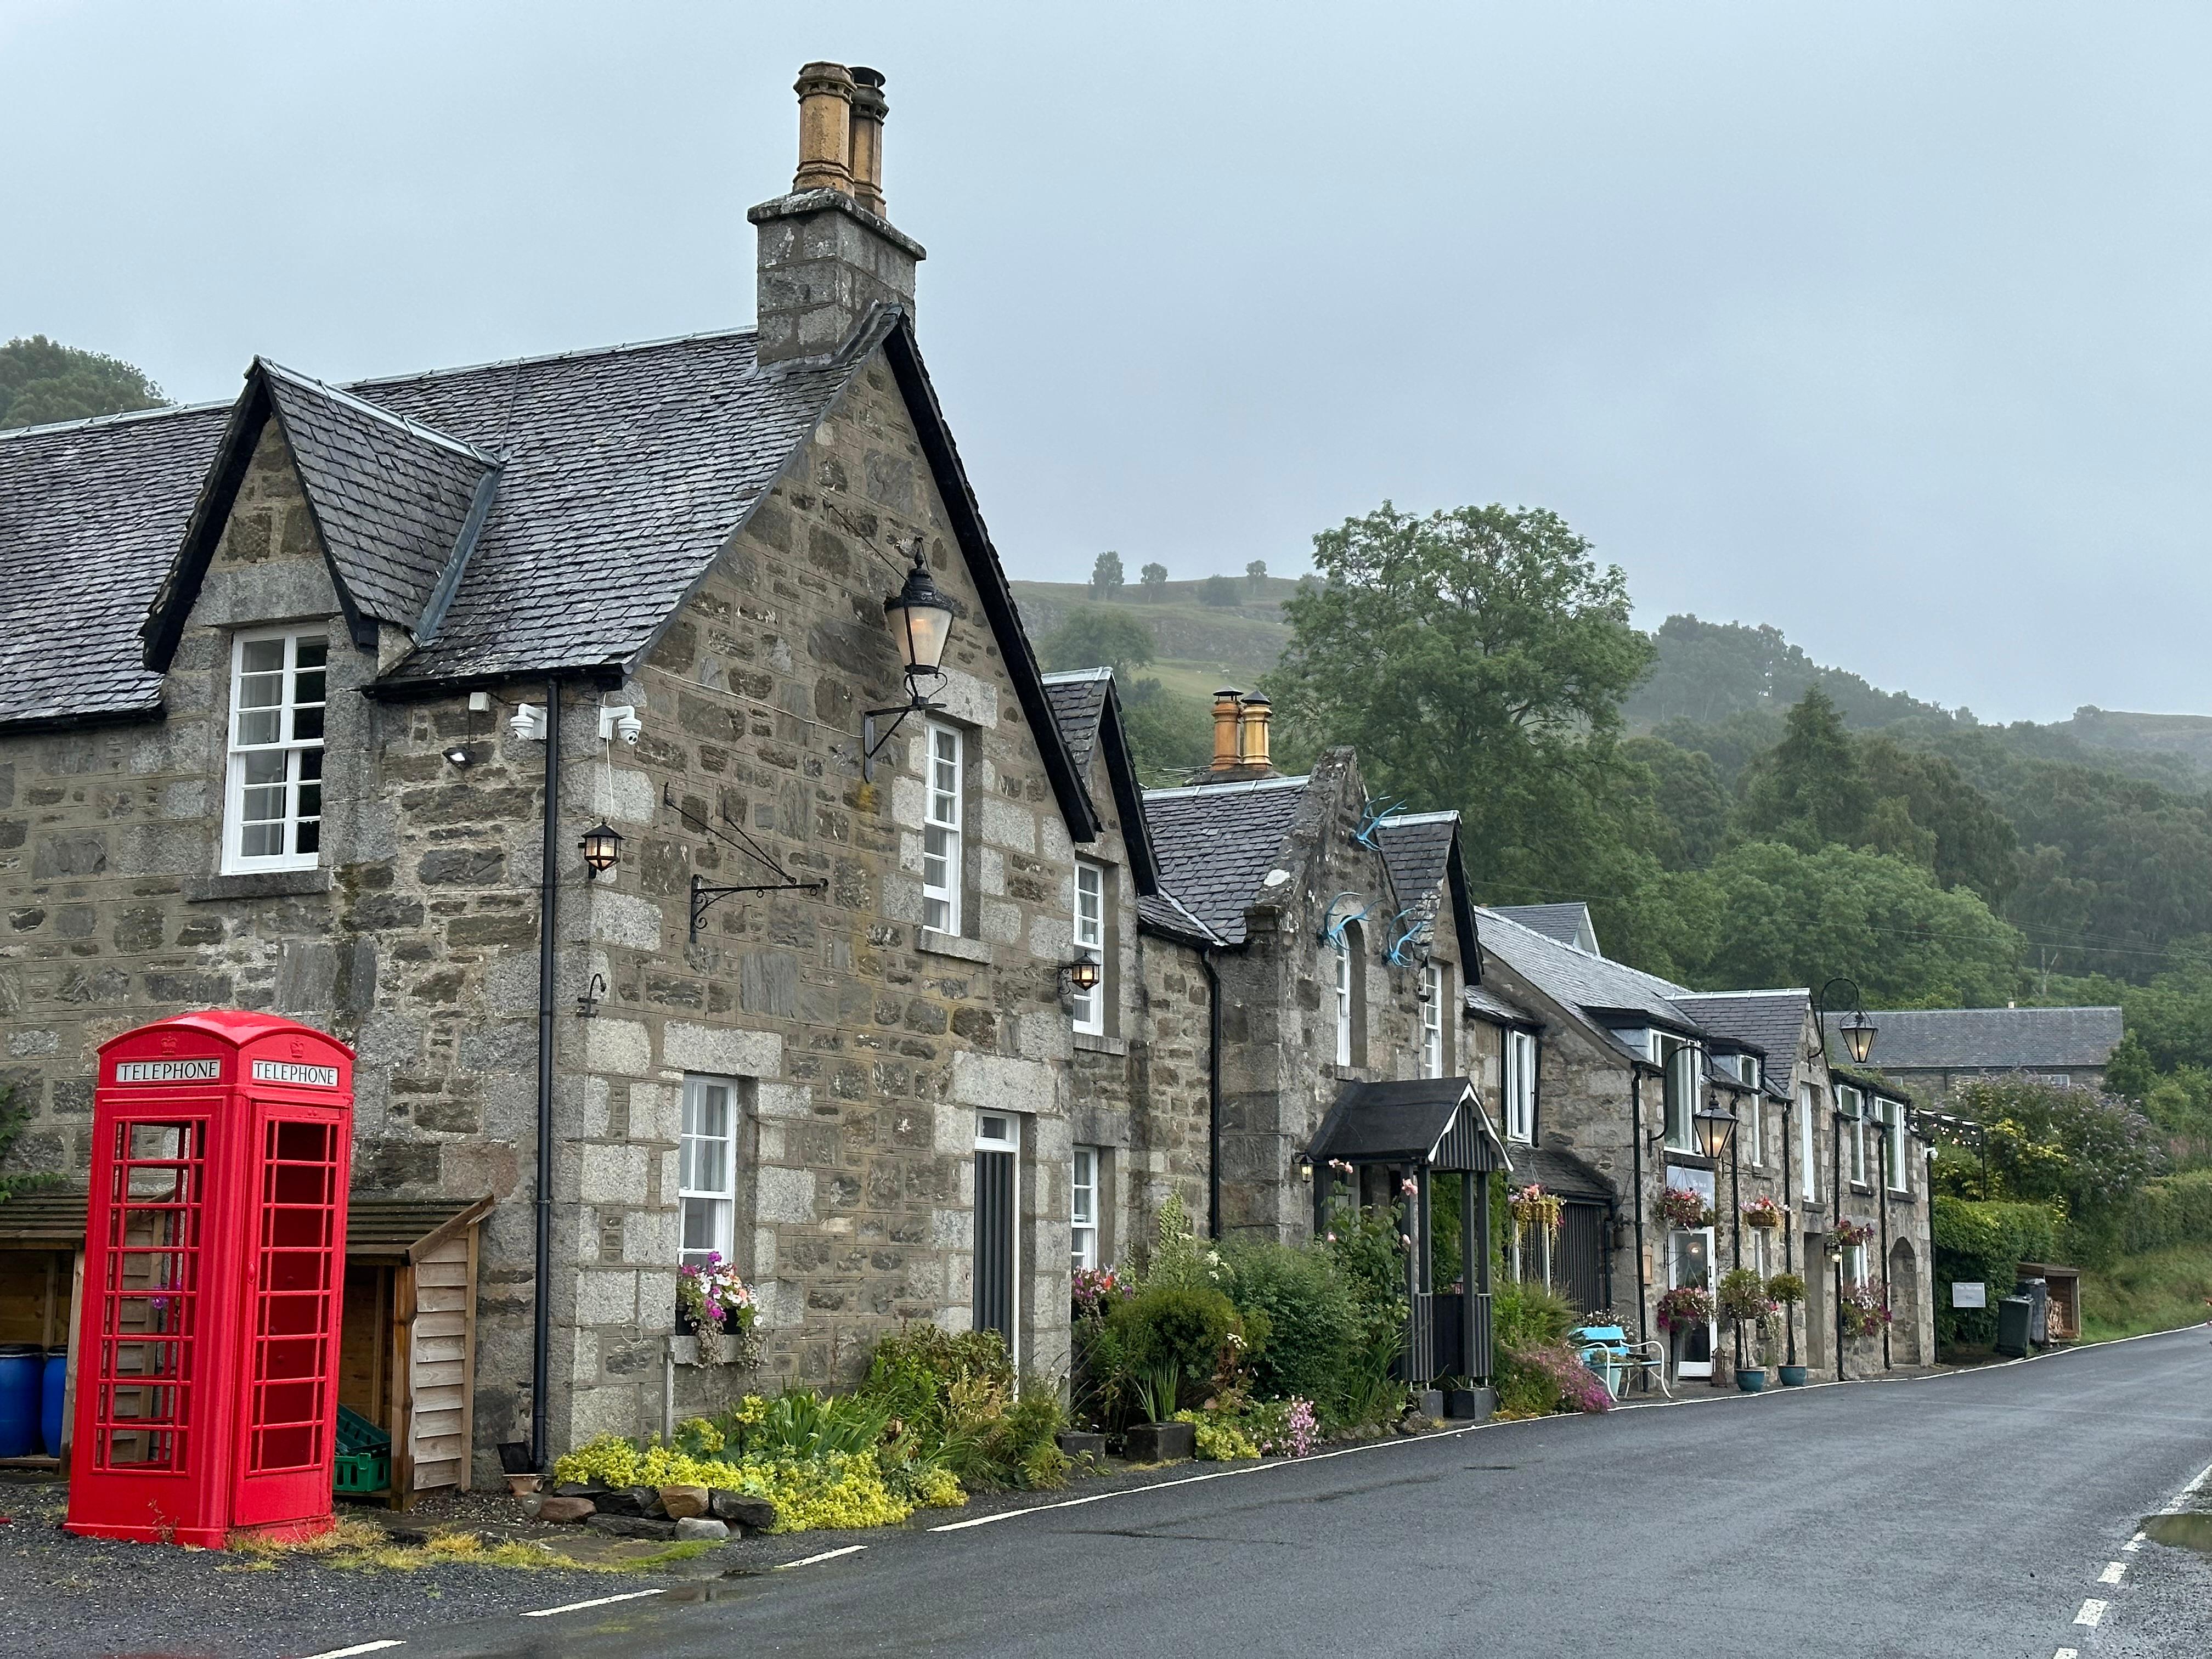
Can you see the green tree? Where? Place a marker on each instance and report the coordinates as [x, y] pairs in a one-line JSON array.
[[1477, 658], [1218, 590], [1793, 917], [1171, 733], [1106, 576], [41, 380], [1969, 842], [1255, 575], [1690, 799], [1152, 579], [1093, 636], [2130, 1072], [1811, 789]]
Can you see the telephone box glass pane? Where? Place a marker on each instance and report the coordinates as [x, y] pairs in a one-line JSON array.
[[143, 1362], [295, 1312]]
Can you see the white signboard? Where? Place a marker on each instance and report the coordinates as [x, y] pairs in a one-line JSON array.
[[168, 1071], [1964, 1295], [285, 1071]]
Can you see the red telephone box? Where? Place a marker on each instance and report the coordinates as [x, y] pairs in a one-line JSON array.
[[215, 1261]]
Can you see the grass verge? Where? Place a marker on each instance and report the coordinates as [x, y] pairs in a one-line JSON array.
[[363, 1546], [2160, 1292]]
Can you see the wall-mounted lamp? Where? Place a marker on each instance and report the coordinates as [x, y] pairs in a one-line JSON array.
[[1857, 1029], [921, 615], [458, 755], [1081, 975], [1305, 1166], [1714, 1124], [602, 846]]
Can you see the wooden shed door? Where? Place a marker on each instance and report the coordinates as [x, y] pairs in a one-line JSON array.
[[437, 1367]]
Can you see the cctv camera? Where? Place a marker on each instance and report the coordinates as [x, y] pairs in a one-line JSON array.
[[630, 729]]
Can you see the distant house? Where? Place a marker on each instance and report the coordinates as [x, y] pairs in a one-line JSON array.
[[1563, 924], [1937, 1048]]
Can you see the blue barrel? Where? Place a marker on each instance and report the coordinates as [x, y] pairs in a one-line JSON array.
[[50, 1406], [22, 1367]]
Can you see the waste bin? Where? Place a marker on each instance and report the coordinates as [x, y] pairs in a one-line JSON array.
[[22, 1366], [52, 1392], [2037, 1291], [2014, 1333]]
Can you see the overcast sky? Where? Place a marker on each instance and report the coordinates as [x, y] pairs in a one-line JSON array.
[[1885, 325]]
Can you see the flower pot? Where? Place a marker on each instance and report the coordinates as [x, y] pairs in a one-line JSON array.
[[1160, 1442], [687, 1326], [1765, 1220], [1793, 1376], [1428, 1402], [1470, 1405], [1752, 1379], [519, 1485]]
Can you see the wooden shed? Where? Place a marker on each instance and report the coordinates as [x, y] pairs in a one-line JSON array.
[[407, 1355], [2065, 1284]]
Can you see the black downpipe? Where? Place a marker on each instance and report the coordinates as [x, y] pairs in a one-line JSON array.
[[1213, 1096], [1882, 1209], [1791, 1219], [541, 1343], [1735, 1224], [1836, 1176], [1635, 1122]]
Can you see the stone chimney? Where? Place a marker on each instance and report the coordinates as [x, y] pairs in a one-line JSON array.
[[1240, 738], [827, 254]]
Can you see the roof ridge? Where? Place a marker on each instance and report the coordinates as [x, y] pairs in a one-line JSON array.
[[377, 412], [570, 355], [115, 419], [1244, 786], [1396, 820], [1064, 676], [1777, 991]]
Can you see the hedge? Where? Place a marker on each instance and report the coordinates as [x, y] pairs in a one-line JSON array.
[[2177, 1210], [1984, 1242]]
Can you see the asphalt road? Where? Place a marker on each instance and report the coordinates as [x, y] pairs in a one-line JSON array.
[[1967, 1513]]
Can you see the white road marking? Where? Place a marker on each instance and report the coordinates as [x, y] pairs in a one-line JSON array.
[[596, 1601], [2066, 1653], [359, 1647], [826, 1555], [2091, 1614], [2113, 1572], [2133, 1544]]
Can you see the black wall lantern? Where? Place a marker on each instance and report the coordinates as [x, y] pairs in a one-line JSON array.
[[1082, 974], [921, 615], [602, 846], [1857, 1029], [1714, 1124]]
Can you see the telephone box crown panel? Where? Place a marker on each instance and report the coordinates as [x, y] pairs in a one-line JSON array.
[[214, 1269]]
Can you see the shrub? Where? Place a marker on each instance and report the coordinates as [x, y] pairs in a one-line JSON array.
[[1172, 1337], [1222, 1437], [1743, 1297], [837, 1490], [1528, 1316], [1537, 1380], [1313, 1316], [1985, 1243], [927, 1376], [1017, 1446]]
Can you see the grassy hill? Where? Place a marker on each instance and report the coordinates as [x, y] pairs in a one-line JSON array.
[[1201, 647]]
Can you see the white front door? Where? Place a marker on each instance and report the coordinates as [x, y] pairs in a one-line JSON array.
[[1690, 1261]]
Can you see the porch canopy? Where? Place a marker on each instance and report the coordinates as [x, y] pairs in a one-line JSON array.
[[1411, 1130]]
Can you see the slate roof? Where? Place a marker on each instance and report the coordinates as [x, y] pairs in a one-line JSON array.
[[91, 513], [1481, 1000], [1563, 924], [1079, 699], [1988, 1039], [390, 496], [1416, 851], [1582, 981], [1561, 1172], [1163, 914], [1372, 1122], [1771, 1021], [1216, 841]]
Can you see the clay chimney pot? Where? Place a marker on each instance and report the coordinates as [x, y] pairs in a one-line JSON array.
[[825, 129], [869, 110], [1228, 710]]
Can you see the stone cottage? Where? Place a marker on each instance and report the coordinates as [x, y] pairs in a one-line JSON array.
[[1626, 1061]]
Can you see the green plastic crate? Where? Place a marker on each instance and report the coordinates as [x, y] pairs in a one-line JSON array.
[[364, 1458]]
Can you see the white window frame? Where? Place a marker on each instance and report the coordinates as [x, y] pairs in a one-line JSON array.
[[943, 815], [1854, 1266], [1858, 1136], [1432, 1021], [1520, 1085], [1002, 1132], [1808, 1164], [1089, 929], [1083, 1188], [690, 1189], [1753, 1114], [1678, 1054], [1893, 1128], [295, 749], [1343, 1001]]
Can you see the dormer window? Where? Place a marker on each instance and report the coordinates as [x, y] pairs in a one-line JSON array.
[[273, 801]]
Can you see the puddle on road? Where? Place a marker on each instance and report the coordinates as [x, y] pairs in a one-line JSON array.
[[2186, 1532]]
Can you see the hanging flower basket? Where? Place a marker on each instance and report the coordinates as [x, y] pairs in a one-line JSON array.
[[1865, 1309], [1679, 1207], [1685, 1308], [1847, 1234], [1762, 1213], [1534, 1209]]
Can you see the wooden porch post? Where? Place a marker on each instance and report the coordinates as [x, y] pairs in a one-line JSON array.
[[1469, 1268], [1481, 1178]]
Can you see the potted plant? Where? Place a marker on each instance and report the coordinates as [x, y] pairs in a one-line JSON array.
[[1679, 1207], [1847, 1234], [715, 1303], [1762, 1213], [1865, 1309], [1743, 1301], [1785, 1290], [1467, 1401]]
